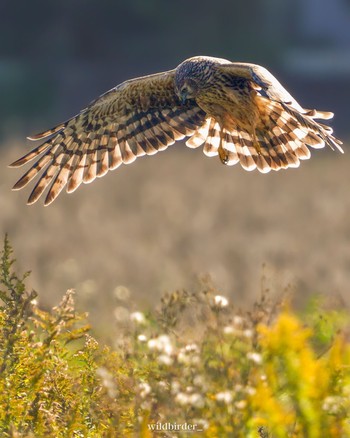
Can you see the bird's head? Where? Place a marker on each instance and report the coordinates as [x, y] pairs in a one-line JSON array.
[[186, 88], [191, 76]]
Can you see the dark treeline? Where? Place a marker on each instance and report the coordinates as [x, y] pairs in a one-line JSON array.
[[55, 56]]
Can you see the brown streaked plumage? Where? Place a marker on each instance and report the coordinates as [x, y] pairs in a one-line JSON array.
[[237, 111]]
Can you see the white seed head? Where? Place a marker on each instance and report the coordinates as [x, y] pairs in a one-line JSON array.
[[229, 330], [175, 387], [333, 404], [198, 380], [162, 343], [250, 390], [237, 320], [255, 357], [248, 333], [163, 385], [181, 398], [137, 317], [189, 354], [220, 301], [241, 404], [224, 396], [191, 348], [196, 400], [165, 359], [107, 381], [144, 389]]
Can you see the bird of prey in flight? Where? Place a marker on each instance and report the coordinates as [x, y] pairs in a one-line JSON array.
[[237, 111]]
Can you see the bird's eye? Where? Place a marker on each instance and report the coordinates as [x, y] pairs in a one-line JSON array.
[[184, 90]]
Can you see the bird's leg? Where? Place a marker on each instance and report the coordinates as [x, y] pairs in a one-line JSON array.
[[255, 142], [222, 154]]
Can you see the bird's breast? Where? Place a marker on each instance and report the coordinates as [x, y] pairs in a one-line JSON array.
[[232, 108]]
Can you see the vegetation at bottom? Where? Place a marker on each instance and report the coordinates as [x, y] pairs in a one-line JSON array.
[[195, 363]]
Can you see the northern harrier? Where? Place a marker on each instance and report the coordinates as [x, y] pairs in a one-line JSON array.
[[237, 111]]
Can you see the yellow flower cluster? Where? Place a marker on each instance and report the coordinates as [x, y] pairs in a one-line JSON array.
[[300, 389]]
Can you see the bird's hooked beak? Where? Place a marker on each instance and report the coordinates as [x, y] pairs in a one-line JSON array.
[[183, 96]]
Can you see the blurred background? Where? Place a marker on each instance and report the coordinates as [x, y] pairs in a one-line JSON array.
[[165, 221]]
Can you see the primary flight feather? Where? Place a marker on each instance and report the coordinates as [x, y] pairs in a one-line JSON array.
[[237, 111]]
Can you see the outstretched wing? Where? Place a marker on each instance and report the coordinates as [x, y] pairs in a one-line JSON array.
[[281, 136], [267, 84], [139, 117]]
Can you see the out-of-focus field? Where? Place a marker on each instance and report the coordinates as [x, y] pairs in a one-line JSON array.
[[195, 366], [158, 224]]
